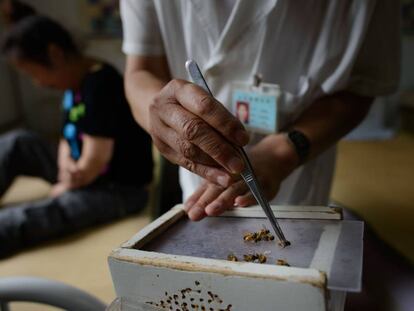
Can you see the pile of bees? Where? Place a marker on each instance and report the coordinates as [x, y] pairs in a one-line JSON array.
[[257, 258], [262, 235]]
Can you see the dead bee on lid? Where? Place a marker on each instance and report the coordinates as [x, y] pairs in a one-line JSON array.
[[250, 236], [249, 257], [262, 258], [232, 257], [282, 262], [263, 234], [255, 257]]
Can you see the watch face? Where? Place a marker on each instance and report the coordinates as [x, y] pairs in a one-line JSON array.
[[301, 143]]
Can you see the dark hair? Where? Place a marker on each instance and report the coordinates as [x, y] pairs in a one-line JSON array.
[[30, 38], [19, 10]]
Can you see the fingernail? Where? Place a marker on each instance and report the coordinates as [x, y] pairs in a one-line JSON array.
[[215, 207], [235, 165], [242, 137], [196, 213]]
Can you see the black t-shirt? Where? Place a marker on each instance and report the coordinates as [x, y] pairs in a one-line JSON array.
[[99, 108]]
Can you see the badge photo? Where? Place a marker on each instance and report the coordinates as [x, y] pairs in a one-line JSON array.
[[256, 106]]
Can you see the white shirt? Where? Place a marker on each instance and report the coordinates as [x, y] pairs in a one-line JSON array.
[[309, 48], [223, 12]]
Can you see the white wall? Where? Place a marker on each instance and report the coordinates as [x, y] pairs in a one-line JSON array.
[[63, 11], [69, 13]]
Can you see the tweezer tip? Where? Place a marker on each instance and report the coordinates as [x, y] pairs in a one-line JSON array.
[[284, 243]]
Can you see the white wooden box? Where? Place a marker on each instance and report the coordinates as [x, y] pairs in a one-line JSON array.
[[145, 279]]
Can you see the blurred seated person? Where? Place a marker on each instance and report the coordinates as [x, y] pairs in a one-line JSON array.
[[12, 11], [104, 161]]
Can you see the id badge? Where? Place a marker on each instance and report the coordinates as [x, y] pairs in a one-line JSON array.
[[256, 106]]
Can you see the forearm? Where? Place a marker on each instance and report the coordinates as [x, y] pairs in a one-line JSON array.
[[274, 157], [140, 88], [89, 169], [330, 118], [144, 79], [63, 151], [96, 154], [65, 162], [324, 122], [74, 174]]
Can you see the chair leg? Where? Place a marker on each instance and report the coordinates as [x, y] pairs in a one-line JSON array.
[[4, 306]]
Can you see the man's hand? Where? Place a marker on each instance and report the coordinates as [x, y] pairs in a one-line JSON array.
[[192, 129], [273, 159], [96, 154], [187, 125], [67, 165], [70, 174], [77, 177], [58, 189]]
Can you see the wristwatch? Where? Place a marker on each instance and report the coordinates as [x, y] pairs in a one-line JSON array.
[[301, 144]]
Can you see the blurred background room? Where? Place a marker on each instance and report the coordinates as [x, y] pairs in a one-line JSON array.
[[373, 178]]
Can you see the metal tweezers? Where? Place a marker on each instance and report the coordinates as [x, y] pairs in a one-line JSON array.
[[248, 174]]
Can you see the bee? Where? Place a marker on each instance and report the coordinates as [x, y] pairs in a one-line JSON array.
[[281, 262], [232, 257], [262, 258], [249, 257], [250, 236], [262, 235], [255, 257]]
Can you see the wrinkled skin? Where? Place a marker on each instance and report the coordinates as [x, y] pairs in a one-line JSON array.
[[271, 160], [194, 130]]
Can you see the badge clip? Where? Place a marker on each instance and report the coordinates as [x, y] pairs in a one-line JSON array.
[[257, 79]]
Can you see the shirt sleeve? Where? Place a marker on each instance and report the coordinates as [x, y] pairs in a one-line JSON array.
[[101, 99], [376, 70], [141, 31]]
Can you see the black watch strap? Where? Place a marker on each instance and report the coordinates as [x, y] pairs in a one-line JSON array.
[[301, 144]]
